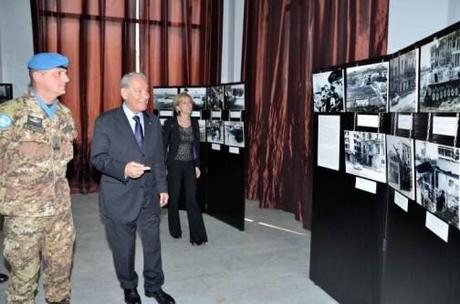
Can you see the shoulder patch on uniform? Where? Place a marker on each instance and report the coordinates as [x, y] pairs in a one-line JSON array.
[[5, 121]]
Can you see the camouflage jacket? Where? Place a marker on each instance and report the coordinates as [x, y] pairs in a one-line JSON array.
[[34, 152]]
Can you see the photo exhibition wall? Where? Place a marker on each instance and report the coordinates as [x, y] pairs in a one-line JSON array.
[[221, 112], [387, 133]]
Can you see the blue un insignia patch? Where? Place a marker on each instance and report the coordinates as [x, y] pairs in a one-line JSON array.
[[5, 121]]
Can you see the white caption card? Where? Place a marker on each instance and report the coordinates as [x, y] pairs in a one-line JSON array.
[[366, 185], [401, 201], [437, 226], [365, 120], [445, 125], [196, 114], [234, 150], [215, 147], [166, 113], [216, 114], [329, 141], [405, 122], [235, 114]]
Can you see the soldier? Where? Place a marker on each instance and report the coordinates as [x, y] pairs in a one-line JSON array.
[[36, 135]]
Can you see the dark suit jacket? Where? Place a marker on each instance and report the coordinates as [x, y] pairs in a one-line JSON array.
[[114, 145], [171, 139]]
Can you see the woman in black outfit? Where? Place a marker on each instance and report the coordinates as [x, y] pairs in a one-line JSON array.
[[182, 145]]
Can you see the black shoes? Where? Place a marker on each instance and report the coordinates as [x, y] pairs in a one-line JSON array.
[[132, 297], [161, 296], [198, 243]]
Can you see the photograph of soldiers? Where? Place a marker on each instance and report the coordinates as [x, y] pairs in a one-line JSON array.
[[36, 144], [328, 91], [437, 171], [440, 74], [365, 155], [6, 92], [215, 131], [400, 155], [403, 82], [367, 88], [198, 95], [234, 97], [215, 98], [234, 133], [163, 98]]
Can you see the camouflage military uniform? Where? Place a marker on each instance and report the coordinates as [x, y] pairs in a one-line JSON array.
[[35, 198]]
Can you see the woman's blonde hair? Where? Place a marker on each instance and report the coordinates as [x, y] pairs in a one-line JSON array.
[[179, 97]]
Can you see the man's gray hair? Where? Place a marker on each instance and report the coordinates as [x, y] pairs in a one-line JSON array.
[[126, 79]]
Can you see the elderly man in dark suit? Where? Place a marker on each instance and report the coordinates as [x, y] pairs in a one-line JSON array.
[[127, 149]]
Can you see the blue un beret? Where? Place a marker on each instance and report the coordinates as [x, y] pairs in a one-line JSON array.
[[46, 61]]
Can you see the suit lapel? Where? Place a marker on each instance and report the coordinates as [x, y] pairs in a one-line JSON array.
[[148, 125]]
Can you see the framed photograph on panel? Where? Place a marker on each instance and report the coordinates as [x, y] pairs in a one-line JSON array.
[[215, 98], [400, 156], [163, 98], [234, 97], [234, 133], [403, 87], [328, 91], [198, 95], [367, 87], [215, 131], [437, 170], [6, 92], [365, 155], [202, 125], [440, 74]]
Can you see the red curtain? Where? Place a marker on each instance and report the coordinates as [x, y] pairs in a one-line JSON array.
[[284, 41], [98, 36], [181, 41]]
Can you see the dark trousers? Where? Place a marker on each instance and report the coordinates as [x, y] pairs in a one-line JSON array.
[[178, 172], [122, 240]]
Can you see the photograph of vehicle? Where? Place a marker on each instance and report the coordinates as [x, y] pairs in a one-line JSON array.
[[437, 172], [198, 95], [215, 98], [234, 133], [365, 155], [234, 97], [367, 87], [328, 91], [400, 156], [402, 89], [440, 74], [163, 98]]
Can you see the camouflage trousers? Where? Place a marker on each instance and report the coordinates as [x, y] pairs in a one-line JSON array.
[[30, 242]]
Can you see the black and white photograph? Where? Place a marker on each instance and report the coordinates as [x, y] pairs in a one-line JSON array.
[[440, 74], [365, 155], [163, 98], [400, 156], [198, 95], [234, 97], [6, 92], [215, 98], [328, 91], [437, 171], [215, 131], [202, 125], [367, 87], [234, 133], [402, 91]]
